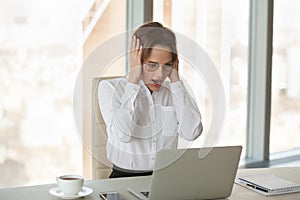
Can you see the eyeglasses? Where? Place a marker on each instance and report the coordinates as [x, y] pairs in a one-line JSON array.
[[151, 67]]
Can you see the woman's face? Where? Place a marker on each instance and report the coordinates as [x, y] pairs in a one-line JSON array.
[[153, 78]]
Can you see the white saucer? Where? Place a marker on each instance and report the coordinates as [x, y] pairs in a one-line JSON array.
[[58, 193]]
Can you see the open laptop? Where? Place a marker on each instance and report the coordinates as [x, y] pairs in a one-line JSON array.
[[190, 176]]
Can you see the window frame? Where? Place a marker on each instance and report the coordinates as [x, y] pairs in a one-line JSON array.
[[259, 80], [259, 75], [137, 13]]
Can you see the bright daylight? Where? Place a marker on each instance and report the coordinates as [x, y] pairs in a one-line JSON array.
[[78, 120]]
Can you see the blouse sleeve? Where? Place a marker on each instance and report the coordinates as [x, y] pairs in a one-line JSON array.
[[187, 112], [117, 107]]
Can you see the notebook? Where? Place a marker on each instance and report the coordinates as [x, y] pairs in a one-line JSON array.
[[268, 184], [189, 176]]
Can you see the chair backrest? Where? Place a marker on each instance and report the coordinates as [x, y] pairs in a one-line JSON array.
[[101, 167]]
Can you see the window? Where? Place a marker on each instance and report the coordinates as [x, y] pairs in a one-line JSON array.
[[285, 113], [40, 54], [221, 29]]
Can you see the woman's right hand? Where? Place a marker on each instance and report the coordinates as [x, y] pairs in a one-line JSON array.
[[135, 60]]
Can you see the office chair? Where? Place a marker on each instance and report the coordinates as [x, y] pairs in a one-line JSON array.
[[101, 167]]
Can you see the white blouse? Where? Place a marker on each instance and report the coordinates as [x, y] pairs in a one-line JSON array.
[[140, 123]]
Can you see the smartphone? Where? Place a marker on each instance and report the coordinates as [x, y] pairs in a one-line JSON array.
[[110, 195]]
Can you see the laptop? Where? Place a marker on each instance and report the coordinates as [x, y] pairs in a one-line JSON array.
[[197, 173], [268, 184]]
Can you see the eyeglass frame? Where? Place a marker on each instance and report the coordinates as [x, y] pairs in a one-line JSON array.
[[166, 67]]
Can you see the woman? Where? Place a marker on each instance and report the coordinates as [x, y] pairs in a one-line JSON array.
[[144, 113]]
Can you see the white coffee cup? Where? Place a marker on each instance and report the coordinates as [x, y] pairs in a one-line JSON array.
[[70, 185]]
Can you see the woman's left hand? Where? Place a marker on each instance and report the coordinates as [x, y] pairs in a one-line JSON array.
[[174, 76]]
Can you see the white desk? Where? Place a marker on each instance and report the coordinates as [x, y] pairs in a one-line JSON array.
[[40, 192]]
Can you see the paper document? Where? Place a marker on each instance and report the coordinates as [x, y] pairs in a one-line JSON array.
[[268, 184]]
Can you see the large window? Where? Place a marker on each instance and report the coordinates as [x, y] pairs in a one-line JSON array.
[[40, 55], [285, 115], [221, 29], [42, 47]]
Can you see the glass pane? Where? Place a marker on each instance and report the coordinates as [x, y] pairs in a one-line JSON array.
[[42, 47], [221, 29], [285, 113], [40, 55]]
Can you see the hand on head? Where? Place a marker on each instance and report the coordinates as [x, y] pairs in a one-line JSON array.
[[174, 76], [136, 50]]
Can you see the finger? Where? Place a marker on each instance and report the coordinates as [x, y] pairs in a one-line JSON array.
[[137, 45], [133, 43], [140, 50], [176, 65], [171, 75]]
